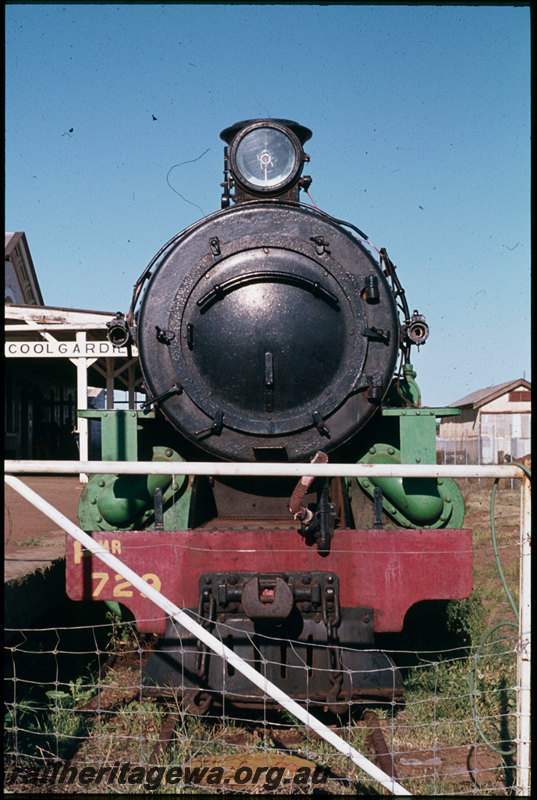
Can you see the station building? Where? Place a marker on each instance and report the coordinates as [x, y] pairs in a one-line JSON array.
[[57, 360], [494, 426]]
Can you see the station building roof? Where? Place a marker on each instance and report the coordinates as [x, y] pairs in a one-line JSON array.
[[21, 284], [483, 396]]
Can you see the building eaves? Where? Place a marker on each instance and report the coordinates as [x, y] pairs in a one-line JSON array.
[[11, 242], [53, 314], [483, 396]]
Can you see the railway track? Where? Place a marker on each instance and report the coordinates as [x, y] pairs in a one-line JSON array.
[[282, 740], [168, 734]]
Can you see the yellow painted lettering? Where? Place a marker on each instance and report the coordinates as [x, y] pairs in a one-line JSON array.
[[77, 552], [121, 589], [153, 580], [102, 577]]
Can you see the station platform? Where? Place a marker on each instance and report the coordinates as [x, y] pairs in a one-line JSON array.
[[34, 549]]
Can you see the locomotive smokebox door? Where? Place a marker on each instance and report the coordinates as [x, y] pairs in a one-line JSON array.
[[270, 334]]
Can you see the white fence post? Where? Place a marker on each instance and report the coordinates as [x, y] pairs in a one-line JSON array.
[[524, 654]]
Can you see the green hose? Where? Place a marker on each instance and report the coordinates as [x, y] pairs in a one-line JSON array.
[[473, 694], [473, 672], [496, 553]]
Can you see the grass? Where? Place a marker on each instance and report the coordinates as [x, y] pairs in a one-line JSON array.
[[496, 605], [438, 712], [33, 541], [431, 736]]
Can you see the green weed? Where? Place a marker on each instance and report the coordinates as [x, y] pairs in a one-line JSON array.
[[33, 541]]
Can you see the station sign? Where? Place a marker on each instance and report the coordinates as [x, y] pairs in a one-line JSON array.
[[57, 349]]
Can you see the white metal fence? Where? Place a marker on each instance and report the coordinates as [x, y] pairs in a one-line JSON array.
[[341, 741]]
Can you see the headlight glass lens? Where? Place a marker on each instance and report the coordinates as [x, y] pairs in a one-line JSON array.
[[266, 157]]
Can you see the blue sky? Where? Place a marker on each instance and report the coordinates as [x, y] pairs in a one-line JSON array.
[[421, 137]]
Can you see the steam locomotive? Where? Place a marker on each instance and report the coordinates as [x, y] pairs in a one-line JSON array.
[[268, 332]]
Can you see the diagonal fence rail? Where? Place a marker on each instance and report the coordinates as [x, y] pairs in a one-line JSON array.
[[298, 470]]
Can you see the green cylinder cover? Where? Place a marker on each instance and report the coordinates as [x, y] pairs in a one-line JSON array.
[[417, 498], [126, 496], [418, 502]]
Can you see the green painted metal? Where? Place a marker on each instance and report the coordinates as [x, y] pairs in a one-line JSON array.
[[408, 386], [442, 411], [125, 502], [119, 431], [126, 497], [419, 500], [413, 502], [417, 432], [114, 608]]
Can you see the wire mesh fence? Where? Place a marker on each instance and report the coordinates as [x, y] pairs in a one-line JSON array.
[[482, 449], [106, 721], [81, 717]]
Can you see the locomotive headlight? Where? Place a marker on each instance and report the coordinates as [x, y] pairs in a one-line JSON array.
[[118, 332], [417, 330], [266, 158]]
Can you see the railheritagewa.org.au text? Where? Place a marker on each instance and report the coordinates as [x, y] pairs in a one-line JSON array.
[[152, 778]]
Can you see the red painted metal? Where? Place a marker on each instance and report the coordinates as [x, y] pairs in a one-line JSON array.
[[387, 570]]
